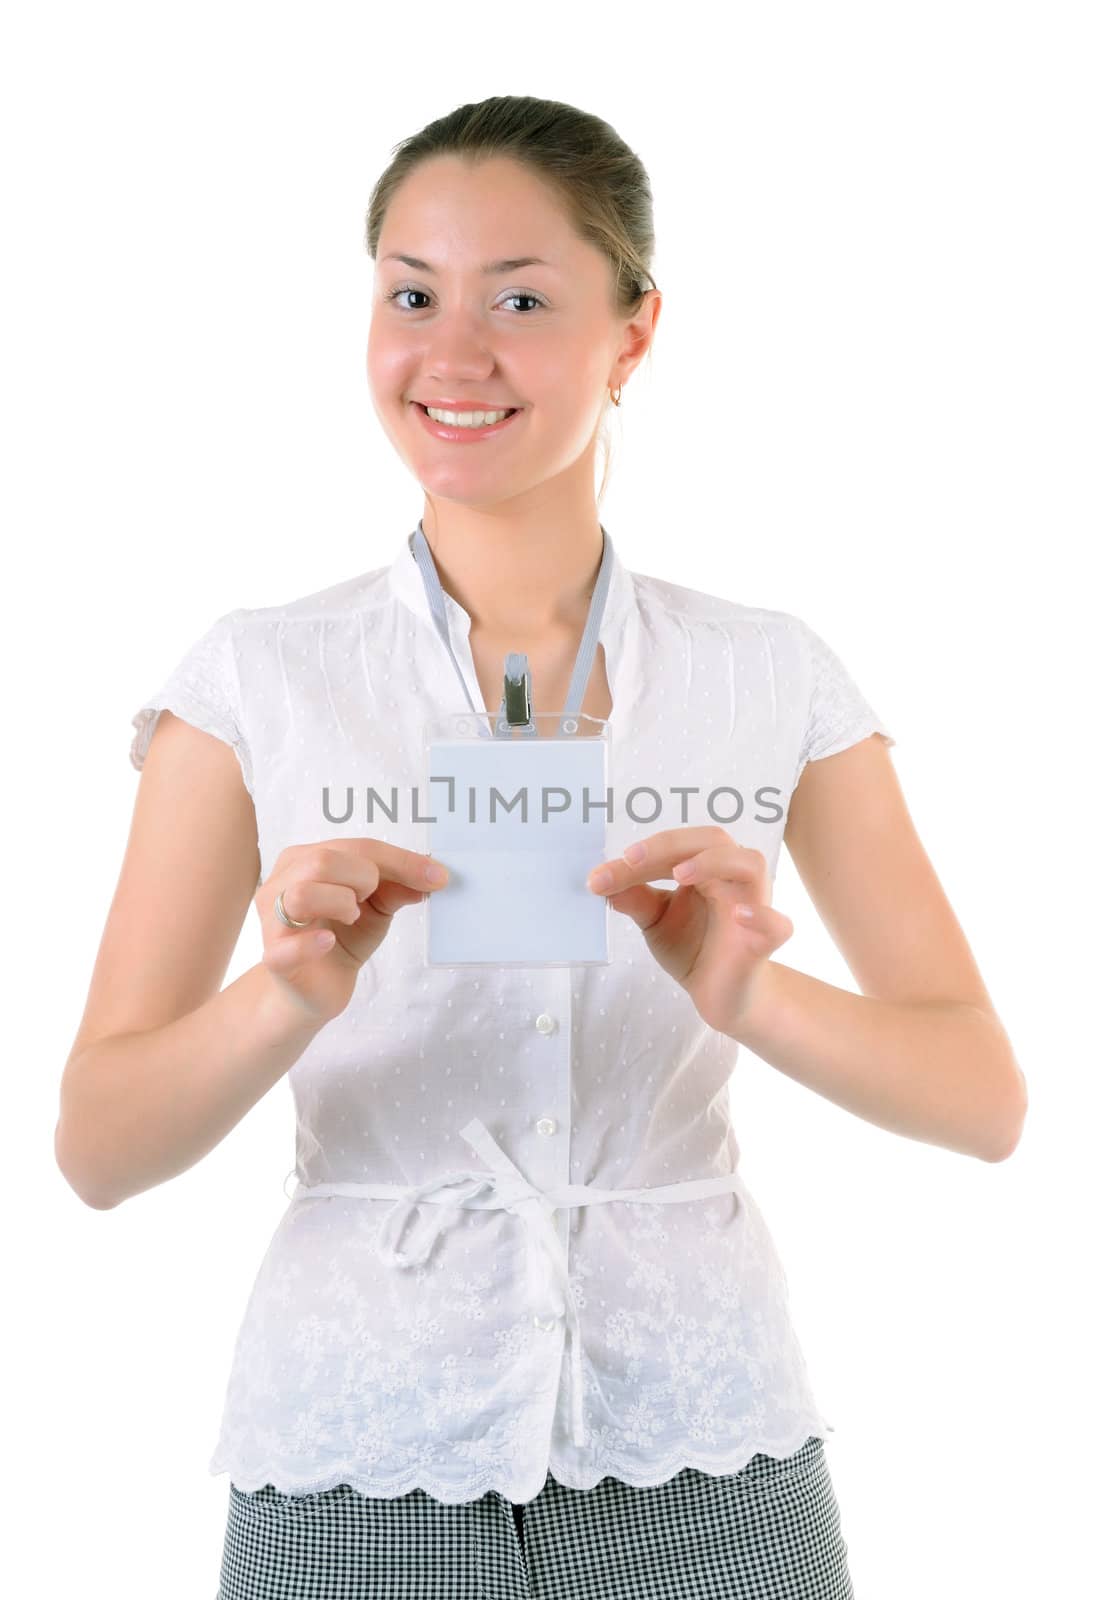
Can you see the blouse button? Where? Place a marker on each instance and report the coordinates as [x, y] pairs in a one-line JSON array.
[[546, 1125], [546, 1324], [545, 1023]]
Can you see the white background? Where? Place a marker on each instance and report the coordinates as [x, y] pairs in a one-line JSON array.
[[871, 403]]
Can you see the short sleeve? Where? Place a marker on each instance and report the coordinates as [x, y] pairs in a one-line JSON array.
[[202, 689], [839, 714]]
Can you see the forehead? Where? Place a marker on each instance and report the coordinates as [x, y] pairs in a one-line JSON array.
[[495, 210]]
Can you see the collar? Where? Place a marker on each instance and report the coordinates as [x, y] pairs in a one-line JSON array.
[[406, 584]]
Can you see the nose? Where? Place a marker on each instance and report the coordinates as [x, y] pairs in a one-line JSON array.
[[459, 343]]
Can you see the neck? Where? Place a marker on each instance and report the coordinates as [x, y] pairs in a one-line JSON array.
[[529, 576]]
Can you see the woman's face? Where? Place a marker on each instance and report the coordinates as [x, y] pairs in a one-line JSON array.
[[543, 337]]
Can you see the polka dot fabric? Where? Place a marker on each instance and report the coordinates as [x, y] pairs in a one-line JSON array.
[[441, 1374]]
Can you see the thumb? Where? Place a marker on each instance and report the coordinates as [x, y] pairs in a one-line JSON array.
[[287, 956], [641, 902], [767, 928]]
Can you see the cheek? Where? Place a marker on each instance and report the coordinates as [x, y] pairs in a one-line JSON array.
[[588, 352], [387, 360], [573, 358], [573, 376]]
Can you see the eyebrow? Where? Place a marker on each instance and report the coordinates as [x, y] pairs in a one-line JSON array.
[[489, 269]]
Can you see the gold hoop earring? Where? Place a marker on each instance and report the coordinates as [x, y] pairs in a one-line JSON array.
[[616, 398]]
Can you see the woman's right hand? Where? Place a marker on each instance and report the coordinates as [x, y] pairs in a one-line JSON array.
[[351, 887]]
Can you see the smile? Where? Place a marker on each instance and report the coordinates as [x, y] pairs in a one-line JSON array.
[[459, 435]]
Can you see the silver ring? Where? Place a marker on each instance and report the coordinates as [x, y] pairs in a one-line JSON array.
[[284, 916]]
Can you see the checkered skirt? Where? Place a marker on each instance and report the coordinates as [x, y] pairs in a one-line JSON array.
[[768, 1532]]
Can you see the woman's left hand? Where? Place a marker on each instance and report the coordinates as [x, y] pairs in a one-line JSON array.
[[695, 931]]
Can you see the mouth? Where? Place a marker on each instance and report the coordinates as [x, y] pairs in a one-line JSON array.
[[458, 435]]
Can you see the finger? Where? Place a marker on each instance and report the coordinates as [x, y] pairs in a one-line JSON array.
[[762, 923], [361, 863], [726, 863], [387, 899], [661, 850], [306, 900], [643, 904], [744, 865], [412, 868], [289, 955]]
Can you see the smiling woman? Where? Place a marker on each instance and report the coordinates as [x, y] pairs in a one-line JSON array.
[[513, 300], [596, 1327], [548, 332]]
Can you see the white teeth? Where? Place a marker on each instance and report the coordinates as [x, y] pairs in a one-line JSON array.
[[465, 419]]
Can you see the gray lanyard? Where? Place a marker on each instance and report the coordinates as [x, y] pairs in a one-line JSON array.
[[516, 708]]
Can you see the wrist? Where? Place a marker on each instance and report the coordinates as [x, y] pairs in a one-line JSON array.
[[754, 1020], [279, 1018]]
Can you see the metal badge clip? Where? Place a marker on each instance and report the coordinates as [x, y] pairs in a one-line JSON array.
[[517, 693]]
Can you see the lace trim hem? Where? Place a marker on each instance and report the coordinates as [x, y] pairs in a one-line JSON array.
[[639, 1476]]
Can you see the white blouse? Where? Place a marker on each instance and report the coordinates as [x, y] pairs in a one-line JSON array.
[[470, 1286]]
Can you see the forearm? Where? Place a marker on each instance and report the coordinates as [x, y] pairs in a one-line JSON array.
[[941, 1073], [140, 1108]]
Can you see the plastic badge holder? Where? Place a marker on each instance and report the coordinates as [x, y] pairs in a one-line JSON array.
[[517, 894]]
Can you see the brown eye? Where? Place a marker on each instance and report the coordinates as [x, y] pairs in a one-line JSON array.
[[394, 292], [516, 294]]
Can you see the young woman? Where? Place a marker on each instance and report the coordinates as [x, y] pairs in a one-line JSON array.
[[522, 1328]]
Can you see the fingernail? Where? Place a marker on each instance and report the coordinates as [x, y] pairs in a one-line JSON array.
[[436, 873], [599, 879], [745, 913], [635, 852]]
